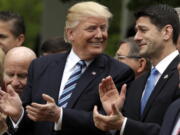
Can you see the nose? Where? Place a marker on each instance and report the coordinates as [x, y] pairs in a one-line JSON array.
[[137, 37], [99, 33], [15, 82]]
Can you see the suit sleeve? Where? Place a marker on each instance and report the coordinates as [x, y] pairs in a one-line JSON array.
[[140, 128], [73, 118]]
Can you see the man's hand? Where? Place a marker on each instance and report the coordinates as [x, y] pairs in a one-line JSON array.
[[109, 95], [10, 103], [44, 112], [3, 125], [109, 122]]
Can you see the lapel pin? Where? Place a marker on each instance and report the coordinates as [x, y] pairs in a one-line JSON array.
[[93, 73], [166, 76]]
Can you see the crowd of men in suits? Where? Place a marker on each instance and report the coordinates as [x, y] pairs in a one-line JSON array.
[[84, 91]]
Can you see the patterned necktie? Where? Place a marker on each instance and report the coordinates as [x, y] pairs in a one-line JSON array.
[[149, 88], [71, 84]]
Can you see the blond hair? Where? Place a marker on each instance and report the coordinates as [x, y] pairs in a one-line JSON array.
[[85, 9]]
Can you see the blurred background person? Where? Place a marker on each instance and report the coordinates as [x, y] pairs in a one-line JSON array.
[[128, 53], [15, 69], [16, 64], [12, 30], [54, 45]]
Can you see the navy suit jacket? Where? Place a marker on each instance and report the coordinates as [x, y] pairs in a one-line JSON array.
[[170, 118], [45, 76], [165, 92]]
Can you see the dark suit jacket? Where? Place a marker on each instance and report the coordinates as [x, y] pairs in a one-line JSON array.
[[164, 93], [45, 77], [170, 118]]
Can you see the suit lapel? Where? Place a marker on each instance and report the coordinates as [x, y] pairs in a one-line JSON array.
[[138, 87], [91, 73], [161, 83], [171, 118], [55, 76]]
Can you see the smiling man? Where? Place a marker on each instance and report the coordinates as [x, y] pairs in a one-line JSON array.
[[16, 64], [148, 97], [63, 88]]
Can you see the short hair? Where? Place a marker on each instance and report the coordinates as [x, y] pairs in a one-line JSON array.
[[133, 46], [178, 12], [85, 9], [134, 50], [18, 26], [54, 45], [161, 15]]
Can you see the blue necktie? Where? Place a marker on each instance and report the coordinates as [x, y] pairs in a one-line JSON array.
[[71, 84], [149, 88]]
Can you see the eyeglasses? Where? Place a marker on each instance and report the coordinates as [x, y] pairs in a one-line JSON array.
[[123, 57]]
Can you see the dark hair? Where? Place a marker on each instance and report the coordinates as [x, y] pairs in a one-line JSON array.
[[161, 15], [54, 45], [18, 26]]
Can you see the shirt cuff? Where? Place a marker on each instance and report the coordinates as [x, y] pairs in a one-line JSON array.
[[123, 126], [16, 125], [58, 125]]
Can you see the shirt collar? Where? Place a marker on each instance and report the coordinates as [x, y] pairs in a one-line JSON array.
[[73, 58], [164, 63]]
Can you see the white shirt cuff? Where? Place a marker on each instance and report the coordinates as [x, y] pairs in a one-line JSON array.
[[16, 125], [58, 125], [123, 126]]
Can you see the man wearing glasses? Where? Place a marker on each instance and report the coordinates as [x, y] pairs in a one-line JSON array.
[[128, 53]]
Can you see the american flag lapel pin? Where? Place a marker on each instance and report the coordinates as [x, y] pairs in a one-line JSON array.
[[93, 73], [166, 76]]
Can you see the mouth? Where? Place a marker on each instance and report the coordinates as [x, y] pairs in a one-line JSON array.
[[141, 44], [99, 43]]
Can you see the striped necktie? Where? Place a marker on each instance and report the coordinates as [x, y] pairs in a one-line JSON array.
[[149, 88], [71, 84]]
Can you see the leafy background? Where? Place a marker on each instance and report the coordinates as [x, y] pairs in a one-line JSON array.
[[32, 11]]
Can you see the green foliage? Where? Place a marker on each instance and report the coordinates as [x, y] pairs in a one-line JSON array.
[[112, 44], [136, 4], [31, 10]]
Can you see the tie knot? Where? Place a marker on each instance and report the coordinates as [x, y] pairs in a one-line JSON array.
[[81, 64], [154, 71]]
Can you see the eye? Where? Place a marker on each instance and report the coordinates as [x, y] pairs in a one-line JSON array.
[[22, 76], [9, 74], [143, 29], [91, 28], [2, 36], [103, 28]]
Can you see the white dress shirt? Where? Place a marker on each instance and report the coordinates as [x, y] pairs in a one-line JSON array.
[[161, 67], [71, 62], [176, 129]]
